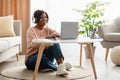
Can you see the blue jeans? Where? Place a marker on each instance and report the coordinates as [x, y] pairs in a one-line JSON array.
[[49, 55]]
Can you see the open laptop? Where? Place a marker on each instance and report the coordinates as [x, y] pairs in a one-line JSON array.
[[69, 30]]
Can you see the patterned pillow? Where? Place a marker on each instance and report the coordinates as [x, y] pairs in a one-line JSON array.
[[6, 26]]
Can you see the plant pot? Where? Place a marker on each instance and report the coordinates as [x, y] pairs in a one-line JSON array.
[[93, 34], [87, 51]]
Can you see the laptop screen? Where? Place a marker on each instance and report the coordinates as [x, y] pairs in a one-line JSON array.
[[69, 30]]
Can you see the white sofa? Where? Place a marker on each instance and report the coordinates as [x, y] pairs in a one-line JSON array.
[[10, 46]]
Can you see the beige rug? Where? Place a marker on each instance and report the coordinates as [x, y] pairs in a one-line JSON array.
[[21, 72]]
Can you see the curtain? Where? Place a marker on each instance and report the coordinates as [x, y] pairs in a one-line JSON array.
[[21, 11]]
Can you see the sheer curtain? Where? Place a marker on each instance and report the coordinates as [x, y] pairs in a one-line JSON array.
[[21, 11]]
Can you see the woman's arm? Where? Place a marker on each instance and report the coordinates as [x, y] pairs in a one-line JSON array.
[[29, 37], [52, 33]]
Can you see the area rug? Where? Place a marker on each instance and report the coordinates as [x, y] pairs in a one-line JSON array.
[[21, 72]]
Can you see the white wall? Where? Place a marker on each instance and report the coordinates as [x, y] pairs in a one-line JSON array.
[[61, 10]]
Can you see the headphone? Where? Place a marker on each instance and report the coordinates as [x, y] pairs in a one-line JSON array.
[[37, 14], [36, 19]]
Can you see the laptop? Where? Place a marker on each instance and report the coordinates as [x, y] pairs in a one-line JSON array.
[[69, 30]]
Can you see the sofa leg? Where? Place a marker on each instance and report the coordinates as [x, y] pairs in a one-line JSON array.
[[107, 51], [17, 56]]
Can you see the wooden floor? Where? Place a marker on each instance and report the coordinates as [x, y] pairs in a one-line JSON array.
[[104, 69]]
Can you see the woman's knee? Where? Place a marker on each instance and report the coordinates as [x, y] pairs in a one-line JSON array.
[[56, 45]]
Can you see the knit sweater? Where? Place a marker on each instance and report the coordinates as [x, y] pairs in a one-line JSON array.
[[35, 33]]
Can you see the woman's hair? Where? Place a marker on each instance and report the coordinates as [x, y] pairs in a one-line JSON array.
[[37, 15]]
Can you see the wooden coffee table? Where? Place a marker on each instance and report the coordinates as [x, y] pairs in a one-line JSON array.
[[81, 41]]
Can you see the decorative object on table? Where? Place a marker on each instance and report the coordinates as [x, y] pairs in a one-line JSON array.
[[91, 18], [115, 55]]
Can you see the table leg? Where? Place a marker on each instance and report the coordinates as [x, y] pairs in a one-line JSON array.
[[41, 48], [81, 54], [91, 58]]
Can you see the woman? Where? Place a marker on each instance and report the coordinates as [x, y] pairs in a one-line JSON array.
[[41, 30]]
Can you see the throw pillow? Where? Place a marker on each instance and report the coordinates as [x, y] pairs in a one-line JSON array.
[[6, 26]]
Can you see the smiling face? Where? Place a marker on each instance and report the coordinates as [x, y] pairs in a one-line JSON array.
[[41, 18]]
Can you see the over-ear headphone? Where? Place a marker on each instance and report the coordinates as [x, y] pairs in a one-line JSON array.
[[36, 19], [37, 14]]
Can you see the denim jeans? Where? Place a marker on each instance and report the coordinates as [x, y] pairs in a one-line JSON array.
[[47, 61]]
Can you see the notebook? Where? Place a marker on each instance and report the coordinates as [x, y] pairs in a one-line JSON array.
[[69, 30]]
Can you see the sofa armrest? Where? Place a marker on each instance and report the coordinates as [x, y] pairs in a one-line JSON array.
[[17, 27], [104, 29]]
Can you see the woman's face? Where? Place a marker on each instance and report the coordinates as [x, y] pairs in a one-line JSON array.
[[43, 20]]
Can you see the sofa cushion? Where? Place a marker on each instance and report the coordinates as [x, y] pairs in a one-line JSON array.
[[8, 42], [3, 45], [6, 26], [112, 37]]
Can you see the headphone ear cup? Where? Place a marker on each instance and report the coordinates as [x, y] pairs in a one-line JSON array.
[[36, 20]]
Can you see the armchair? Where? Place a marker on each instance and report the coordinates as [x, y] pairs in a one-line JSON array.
[[110, 34]]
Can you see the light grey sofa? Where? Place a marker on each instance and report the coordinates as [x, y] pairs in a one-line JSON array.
[[110, 34], [10, 46]]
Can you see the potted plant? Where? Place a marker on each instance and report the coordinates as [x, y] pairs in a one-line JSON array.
[[91, 18]]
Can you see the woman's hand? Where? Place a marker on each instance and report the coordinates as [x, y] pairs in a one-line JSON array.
[[54, 34]]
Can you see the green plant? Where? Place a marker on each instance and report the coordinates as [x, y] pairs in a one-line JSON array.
[[91, 17]]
